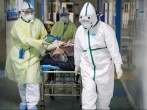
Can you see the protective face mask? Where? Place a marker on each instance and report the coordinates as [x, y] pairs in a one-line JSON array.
[[85, 22], [64, 19], [28, 17], [86, 25], [88, 21]]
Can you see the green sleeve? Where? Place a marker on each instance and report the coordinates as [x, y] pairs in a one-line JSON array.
[[43, 31], [74, 30], [54, 29]]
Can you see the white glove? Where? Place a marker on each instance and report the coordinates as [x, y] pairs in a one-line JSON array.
[[119, 71], [69, 43], [54, 45], [77, 70]]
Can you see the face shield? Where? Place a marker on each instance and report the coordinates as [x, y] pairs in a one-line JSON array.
[[64, 15], [64, 19], [59, 55], [88, 17]]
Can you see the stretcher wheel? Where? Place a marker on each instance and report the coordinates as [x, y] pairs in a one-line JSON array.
[[42, 105]]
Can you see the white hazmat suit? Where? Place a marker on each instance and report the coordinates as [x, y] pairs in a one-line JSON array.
[[96, 51]]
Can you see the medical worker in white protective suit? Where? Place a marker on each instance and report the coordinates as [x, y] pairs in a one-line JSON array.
[[23, 61], [96, 51]]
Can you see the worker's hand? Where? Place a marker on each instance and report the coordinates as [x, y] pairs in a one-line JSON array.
[[119, 71], [45, 43], [50, 38], [77, 70]]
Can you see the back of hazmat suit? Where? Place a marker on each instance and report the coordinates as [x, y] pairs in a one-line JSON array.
[[96, 51], [23, 61]]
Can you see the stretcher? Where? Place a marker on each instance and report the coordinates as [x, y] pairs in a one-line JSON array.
[[72, 88]]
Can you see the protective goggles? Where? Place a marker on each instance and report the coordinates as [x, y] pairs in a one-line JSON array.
[[85, 19], [28, 12], [64, 14]]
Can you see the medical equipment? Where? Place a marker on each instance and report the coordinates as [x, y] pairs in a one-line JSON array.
[[69, 88]]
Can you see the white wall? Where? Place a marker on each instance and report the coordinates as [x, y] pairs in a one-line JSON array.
[[140, 47], [135, 78]]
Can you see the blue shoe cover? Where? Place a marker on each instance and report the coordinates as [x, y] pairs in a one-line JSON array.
[[23, 106]]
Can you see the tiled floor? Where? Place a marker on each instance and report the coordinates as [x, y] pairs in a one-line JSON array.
[[9, 98], [119, 101]]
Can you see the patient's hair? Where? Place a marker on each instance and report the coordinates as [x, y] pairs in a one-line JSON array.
[[60, 57]]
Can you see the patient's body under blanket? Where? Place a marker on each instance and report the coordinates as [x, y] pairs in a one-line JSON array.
[[66, 66]]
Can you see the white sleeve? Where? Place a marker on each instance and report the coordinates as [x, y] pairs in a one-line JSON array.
[[77, 49], [112, 45]]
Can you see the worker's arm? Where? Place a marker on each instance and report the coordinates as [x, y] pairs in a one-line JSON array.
[[77, 49], [23, 38]]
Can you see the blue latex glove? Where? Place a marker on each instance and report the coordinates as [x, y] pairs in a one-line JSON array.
[[50, 38], [57, 38]]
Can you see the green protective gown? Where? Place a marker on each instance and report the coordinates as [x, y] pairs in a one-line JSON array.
[[65, 31], [27, 36]]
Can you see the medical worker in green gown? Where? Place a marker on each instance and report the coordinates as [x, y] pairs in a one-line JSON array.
[[64, 28]]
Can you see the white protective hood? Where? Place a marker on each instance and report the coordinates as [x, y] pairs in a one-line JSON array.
[[27, 6], [88, 17]]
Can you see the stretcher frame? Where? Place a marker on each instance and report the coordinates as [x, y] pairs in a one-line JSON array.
[[74, 85]]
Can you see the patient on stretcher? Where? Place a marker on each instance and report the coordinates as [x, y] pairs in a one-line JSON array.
[[60, 56]]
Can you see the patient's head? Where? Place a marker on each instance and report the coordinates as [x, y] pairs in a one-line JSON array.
[[59, 55]]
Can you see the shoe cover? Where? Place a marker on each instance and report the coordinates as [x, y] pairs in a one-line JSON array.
[[23, 106]]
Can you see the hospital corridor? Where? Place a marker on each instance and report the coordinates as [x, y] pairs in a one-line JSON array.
[[73, 55]]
